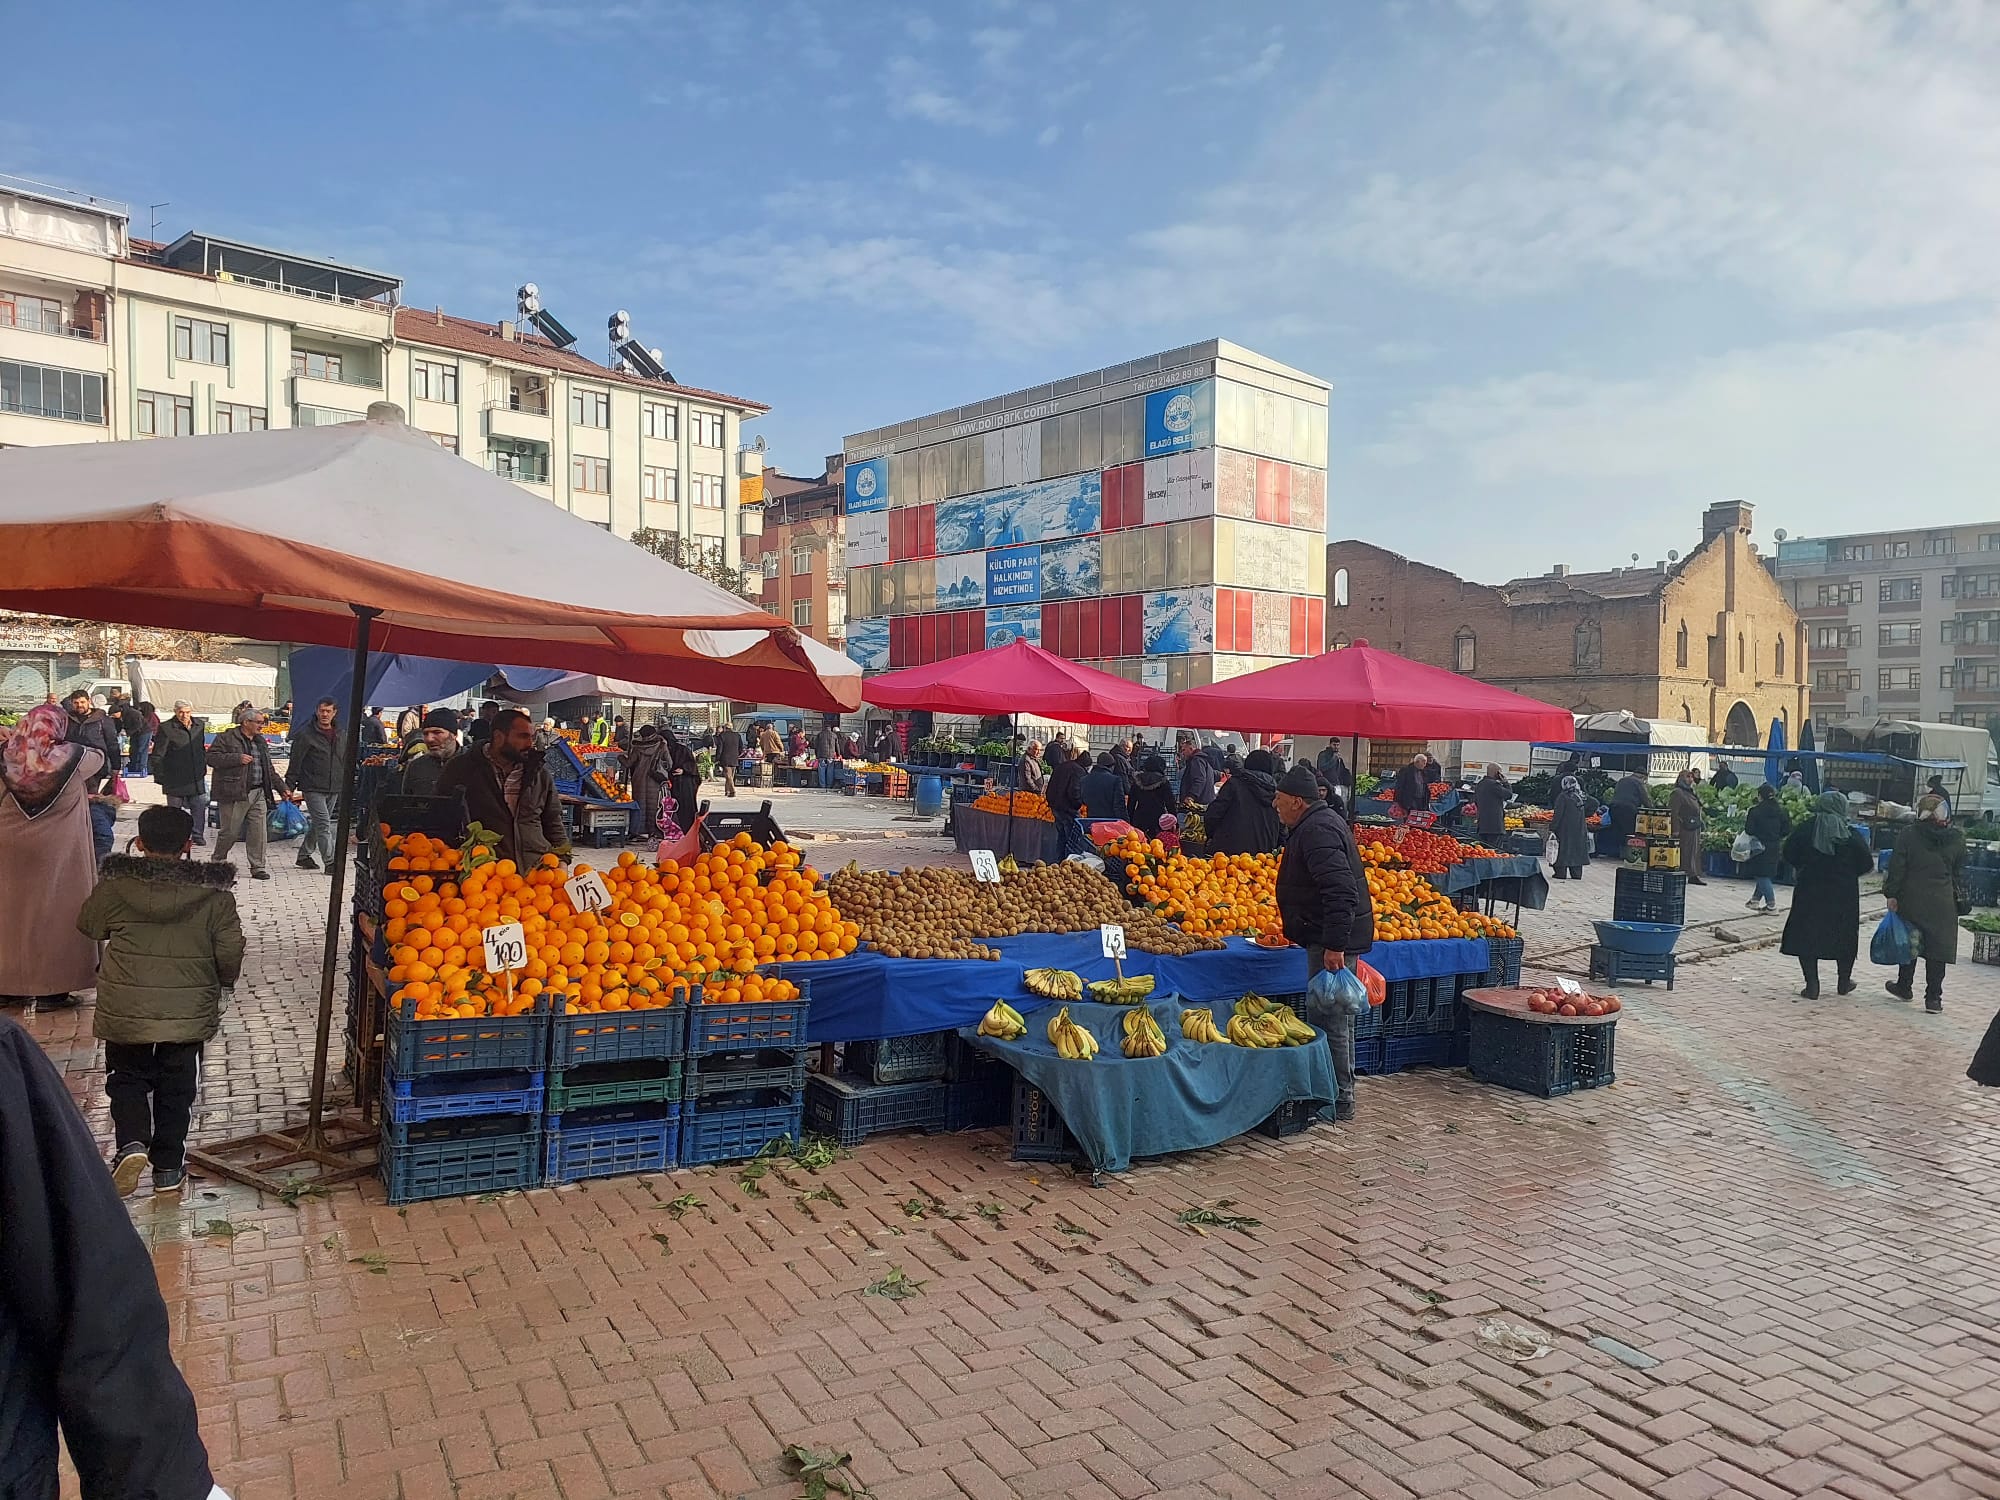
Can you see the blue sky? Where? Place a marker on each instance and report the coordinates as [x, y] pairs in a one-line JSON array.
[[1575, 267]]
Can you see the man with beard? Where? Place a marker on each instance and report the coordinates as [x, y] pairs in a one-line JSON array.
[[431, 746], [508, 789]]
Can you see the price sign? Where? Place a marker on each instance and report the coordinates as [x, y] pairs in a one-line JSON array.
[[985, 867], [587, 892], [1569, 986], [1112, 937], [506, 948]]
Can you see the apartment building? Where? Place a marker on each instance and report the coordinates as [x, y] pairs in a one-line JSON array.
[[801, 558], [104, 337], [1901, 624]]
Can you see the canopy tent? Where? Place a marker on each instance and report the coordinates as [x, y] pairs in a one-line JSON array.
[[207, 687], [1774, 757], [368, 533], [1751, 752], [1810, 762], [1360, 690], [529, 685], [1018, 678]]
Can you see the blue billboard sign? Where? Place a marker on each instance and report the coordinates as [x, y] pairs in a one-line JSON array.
[[865, 487], [1069, 506], [1014, 576], [1005, 626], [1180, 417], [1180, 622], [868, 643], [960, 524]]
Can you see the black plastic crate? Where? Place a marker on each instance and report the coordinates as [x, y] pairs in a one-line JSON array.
[[734, 1072], [607, 1084], [979, 1100], [736, 1126], [748, 1025], [721, 827], [1650, 896], [1039, 1132], [1617, 966], [616, 1143], [963, 1060], [454, 1158], [1538, 1057], [1421, 1007], [898, 1059], [851, 1110], [440, 817], [467, 1044], [1289, 1118], [1982, 887], [1368, 1053], [1436, 1050], [589, 1037], [1503, 968]]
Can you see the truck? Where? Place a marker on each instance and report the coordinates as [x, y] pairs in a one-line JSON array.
[[213, 688], [1970, 773]]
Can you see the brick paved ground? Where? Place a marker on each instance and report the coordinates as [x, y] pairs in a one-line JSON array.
[[1768, 1260]]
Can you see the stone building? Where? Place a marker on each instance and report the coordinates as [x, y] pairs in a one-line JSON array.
[[800, 558], [1709, 638]]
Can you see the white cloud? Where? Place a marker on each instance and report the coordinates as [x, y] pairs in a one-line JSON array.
[[915, 91], [1049, 136], [996, 45]]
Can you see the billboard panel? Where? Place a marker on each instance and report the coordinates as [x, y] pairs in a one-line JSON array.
[[961, 524], [1014, 576], [1179, 622], [868, 643], [1180, 418], [868, 539], [1180, 487], [961, 581], [1070, 506], [865, 486], [1020, 623], [1072, 569]]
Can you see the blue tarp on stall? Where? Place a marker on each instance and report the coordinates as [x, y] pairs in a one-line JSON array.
[[865, 996], [1196, 1094], [399, 681]]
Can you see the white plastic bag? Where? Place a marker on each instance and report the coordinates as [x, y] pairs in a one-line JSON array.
[[1745, 847]]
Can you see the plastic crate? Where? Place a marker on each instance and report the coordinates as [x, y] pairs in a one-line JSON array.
[[1616, 966], [450, 1096], [1536, 1057], [1400, 1053], [441, 817], [738, 1125], [979, 1101], [641, 1139], [454, 1158], [1503, 963], [1368, 1054], [721, 827], [579, 1040], [898, 1059], [1982, 886], [850, 1110], [619, 1083], [1039, 1132], [734, 1072], [1986, 947], [487, 1044], [1650, 896], [1289, 1118], [747, 1025], [1420, 1007], [1652, 938]]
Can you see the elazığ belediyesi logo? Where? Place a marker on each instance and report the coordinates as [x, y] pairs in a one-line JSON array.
[[864, 481], [1179, 415]]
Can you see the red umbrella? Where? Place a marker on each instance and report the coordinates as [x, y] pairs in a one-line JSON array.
[[1359, 690], [1018, 678]]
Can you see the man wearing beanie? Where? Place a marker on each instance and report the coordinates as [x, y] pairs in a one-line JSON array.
[[1323, 903], [421, 772]]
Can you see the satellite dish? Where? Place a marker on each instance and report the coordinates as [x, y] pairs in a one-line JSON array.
[[762, 445], [1635, 557], [659, 357], [1673, 556], [1753, 549], [1779, 533], [529, 289]]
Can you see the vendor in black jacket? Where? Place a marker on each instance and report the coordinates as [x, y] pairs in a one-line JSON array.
[[1323, 903], [1411, 789], [1243, 818], [509, 790]]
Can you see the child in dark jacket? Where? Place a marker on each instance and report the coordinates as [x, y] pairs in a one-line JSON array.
[[172, 941]]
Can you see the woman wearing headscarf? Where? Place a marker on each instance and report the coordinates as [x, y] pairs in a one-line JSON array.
[[1490, 798], [1685, 812], [47, 863], [1572, 814], [1829, 859], [1926, 888], [1766, 823]]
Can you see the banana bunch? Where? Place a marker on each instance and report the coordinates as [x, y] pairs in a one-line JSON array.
[[1003, 1021], [1070, 1040], [1009, 865], [1143, 1037], [1271, 1025], [1127, 991], [1199, 1026], [1259, 1031], [1056, 984], [1252, 1005]]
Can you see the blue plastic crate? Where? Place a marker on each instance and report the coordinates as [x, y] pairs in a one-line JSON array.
[[736, 1126], [898, 1059], [734, 1073], [454, 1158], [1039, 1132], [587, 1037], [1403, 1052], [450, 1096], [1616, 966], [1368, 1053], [577, 1146], [749, 1025], [477, 1044], [1420, 1007], [851, 1110]]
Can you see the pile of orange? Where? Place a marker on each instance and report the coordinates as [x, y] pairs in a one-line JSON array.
[[1220, 896], [608, 788], [710, 922], [1026, 805], [1409, 908]]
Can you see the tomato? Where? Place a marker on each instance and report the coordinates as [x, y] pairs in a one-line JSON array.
[[1566, 1010]]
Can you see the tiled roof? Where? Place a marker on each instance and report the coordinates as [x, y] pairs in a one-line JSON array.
[[469, 336]]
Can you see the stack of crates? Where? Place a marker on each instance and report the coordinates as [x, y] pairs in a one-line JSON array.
[[614, 1097], [1650, 896], [1655, 830], [897, 1084], [462, 1104], [745, 1077], [979, 1088]]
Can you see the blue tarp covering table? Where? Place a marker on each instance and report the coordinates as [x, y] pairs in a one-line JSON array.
[[1196, 1094], [1514, 878], [866, 997]]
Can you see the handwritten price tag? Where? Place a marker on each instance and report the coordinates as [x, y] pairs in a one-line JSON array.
[[506, 948], [1569, 986], [1112, 937], [587, 892], [985, 867]]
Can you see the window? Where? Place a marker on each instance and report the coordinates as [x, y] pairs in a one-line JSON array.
[[705, 491], [1905, 633], [1589, 647], [317, 366], [1781, 656], [1971, 585], [165, 415], [1838, 593], [1464, 651], [1989, 541], [1340, 588], [1833, 680], [1857, 552], [802, 613], [590, 476], [1739, 651], [1833, 637], [1972, 630], [433, 381], [1899, 590], [836, 614], [660, 421], [522, 465], [1895, 549], [46, 391], [659, 485], [589, 408], [770, 565], [705, 428], [30, 312], [201, 341], [1940, 546], [445, 440], [322, 416], [1681, 645], [1896, 680], [231, 416]]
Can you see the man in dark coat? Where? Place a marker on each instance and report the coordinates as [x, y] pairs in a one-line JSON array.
[[1243, 818], [480, 730], [1490, 796], [1628, 800], [728, 755], [1411, 789], [83, 1330], [1724, 778], [1197, 771], [92, 726], [435, 744], [1123, 763], [245, 786], [1103, 792], [508, 789], [374, 733], [1322, 895], [180, 762], [1065, 796], [318, 771]]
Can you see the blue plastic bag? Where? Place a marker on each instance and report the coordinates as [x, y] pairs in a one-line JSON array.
[[287, 821], [1895, 942], [1342, 987]]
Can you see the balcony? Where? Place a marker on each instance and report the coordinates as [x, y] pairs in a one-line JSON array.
[[342, 394], [31, 319], [522, 414], [522, 468]]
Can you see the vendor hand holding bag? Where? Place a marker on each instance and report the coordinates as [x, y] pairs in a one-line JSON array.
[[1895, 942]]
